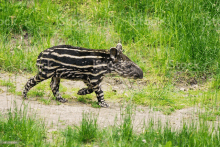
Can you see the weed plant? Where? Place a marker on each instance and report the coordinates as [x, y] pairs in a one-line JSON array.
[[85, 133], [19, 129]]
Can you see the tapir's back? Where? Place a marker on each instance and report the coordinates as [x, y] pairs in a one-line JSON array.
[[66, 58]]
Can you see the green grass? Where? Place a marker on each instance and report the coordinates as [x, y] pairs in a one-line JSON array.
[[26, 130], [88, 99], [20, 129], [194, 134], [88, 129], [167, 35], [10, 86], [208, 116], [187, 136], [168, 98]]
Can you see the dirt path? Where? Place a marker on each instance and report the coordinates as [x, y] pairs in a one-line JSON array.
[[63, 115], [71, 113]]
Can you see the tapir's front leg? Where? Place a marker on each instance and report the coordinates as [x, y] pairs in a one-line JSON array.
[[100, 95]]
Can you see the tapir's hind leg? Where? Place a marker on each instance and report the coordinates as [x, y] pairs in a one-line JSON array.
[[54, 85], [85, 91], [34, 81]]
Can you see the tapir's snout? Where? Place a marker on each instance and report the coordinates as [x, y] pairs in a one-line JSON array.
[[138, 73]]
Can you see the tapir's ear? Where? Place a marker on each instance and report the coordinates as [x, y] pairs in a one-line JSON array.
[[113, 52], [119, 47]]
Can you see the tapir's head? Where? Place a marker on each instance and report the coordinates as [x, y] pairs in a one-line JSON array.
[[123, 65]]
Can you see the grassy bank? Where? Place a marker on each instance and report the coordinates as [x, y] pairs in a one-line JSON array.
[[19, 129], [194, 134], [160, 36]]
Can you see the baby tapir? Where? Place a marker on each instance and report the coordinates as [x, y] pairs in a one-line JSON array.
[[88, 65]]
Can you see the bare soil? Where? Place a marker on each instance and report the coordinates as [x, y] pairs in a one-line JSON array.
[[59, 116]]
